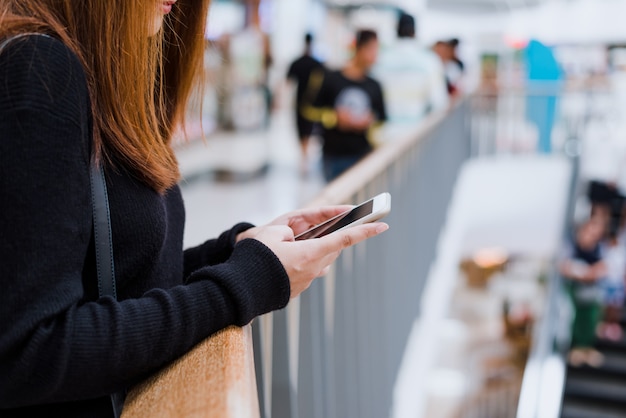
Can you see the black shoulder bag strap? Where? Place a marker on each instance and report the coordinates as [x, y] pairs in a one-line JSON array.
[[103, 238], [103, 241], [101, 216]]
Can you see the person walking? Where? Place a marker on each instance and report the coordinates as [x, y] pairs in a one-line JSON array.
[[412, 76], [300, 72], [349, 104]]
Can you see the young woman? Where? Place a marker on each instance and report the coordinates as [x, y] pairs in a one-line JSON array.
[[105, 82]]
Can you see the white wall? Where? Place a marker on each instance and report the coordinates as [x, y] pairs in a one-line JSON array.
[[555, 22], [560, 21]]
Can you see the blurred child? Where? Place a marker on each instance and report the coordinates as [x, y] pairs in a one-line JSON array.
[[614, 256], [583, 268]]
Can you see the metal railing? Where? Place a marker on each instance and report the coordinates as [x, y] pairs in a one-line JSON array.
[[512, 120], [335, 352]]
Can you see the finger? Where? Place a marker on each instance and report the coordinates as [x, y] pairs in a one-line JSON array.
[[308, 218], [322, 213], [312, 215], [339, 240]]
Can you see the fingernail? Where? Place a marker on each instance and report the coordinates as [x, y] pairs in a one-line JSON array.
[[381, 228]]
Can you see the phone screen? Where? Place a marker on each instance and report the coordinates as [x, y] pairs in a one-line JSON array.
[[340, 221]]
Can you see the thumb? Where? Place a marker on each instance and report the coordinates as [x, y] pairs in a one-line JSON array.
[[284, 232]]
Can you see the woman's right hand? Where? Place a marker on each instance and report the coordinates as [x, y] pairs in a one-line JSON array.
[[307, 259]]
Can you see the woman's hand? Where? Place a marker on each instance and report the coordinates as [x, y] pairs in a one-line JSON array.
[[307, 259], [299, 220]]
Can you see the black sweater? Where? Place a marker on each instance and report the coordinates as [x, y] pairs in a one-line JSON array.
[[59, 342]]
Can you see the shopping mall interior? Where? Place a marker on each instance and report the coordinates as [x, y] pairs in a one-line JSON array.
[[471, 304]]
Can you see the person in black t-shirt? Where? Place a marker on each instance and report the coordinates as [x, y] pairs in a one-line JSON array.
[[349, 104], [299, 72]]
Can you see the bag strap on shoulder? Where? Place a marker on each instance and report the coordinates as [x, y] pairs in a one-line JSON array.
[[103, 237]]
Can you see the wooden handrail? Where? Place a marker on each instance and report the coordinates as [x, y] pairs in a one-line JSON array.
[[214, 380]]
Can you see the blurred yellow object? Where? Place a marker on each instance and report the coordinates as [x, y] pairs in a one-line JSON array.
[[483, 265], [490, 257]]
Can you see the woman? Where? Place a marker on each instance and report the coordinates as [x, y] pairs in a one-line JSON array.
[[107, 86]]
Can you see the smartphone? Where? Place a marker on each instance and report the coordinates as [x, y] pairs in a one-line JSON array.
[[368, 211]]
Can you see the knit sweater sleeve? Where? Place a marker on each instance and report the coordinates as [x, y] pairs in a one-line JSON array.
[[55, 345], [214, 251]]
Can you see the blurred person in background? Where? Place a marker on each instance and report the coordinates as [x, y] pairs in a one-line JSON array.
[[102, 85], [583, 268], [607, 203], [349, 105], [454, 43], [268, 61], [412, 76], [248, 66], [299, 72], [455, 68], [614, 257], [607, 206], [544, 82], [445, 52]]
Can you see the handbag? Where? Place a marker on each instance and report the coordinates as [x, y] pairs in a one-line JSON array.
[[103, 238]]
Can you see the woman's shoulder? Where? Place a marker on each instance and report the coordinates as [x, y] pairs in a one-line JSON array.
[[35, 48], [39, 69]]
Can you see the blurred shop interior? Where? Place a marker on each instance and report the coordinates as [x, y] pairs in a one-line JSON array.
[[467, 306], [586, 36]]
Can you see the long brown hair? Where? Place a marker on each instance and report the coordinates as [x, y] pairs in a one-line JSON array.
[[139, 83]]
